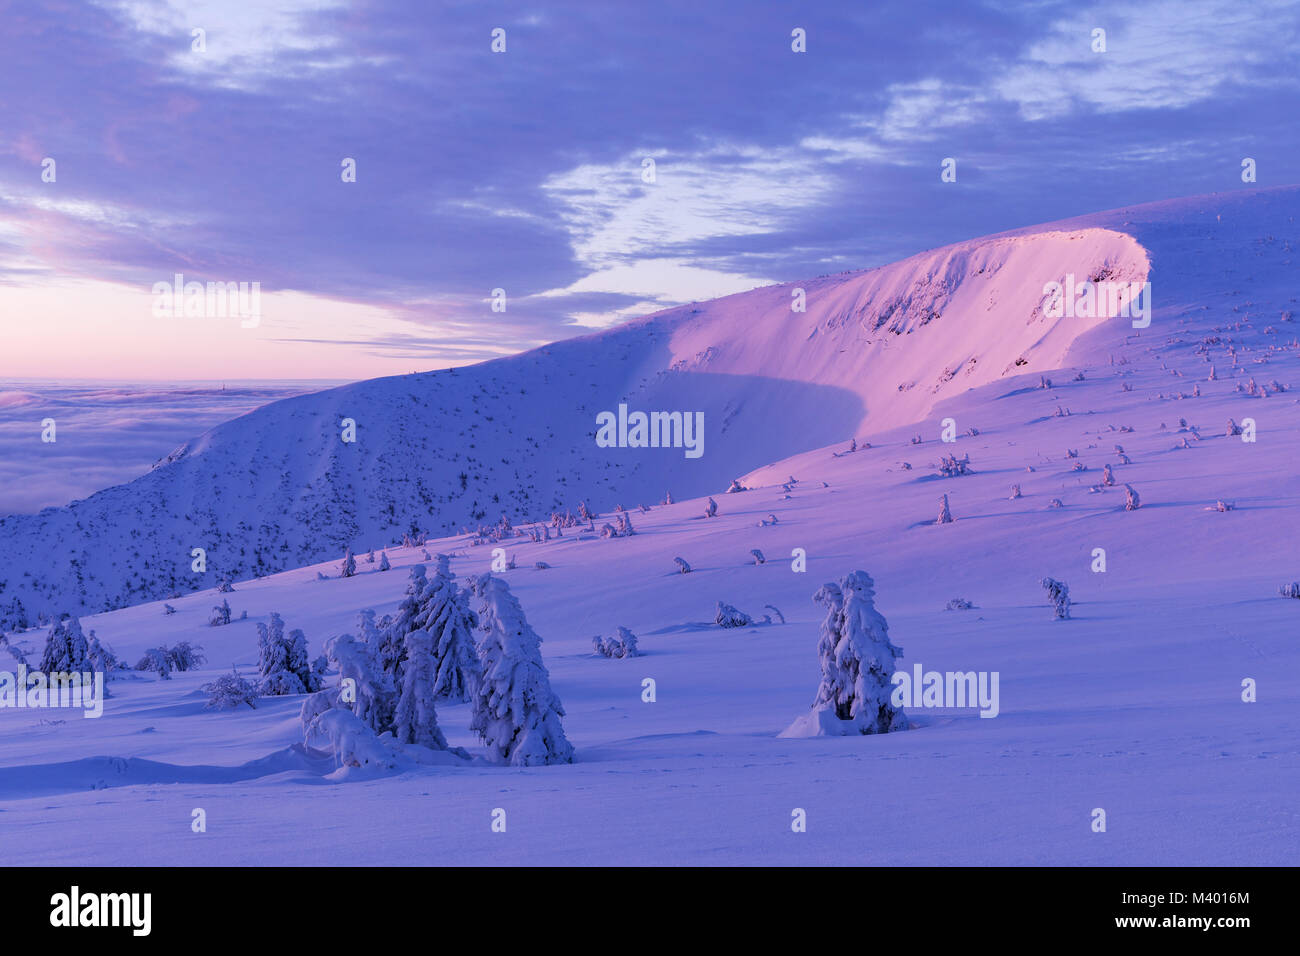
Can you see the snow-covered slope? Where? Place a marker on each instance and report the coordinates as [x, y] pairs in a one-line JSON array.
[[279, 487]]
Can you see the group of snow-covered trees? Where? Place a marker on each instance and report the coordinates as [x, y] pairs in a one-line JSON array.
[[437, 647]]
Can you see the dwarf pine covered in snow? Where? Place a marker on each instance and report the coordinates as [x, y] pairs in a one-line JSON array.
[[383, 561], [728, 616], [712, 510], [1058, 592], [1131, 500], [857, 664], [945, 515], [220, 614], [514, 709], [621, 644], [349, 566]]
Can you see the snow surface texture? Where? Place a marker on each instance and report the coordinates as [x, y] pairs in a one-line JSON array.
[[1133, 705]]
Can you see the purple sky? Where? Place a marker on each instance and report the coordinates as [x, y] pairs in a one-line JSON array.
[[523, 169]]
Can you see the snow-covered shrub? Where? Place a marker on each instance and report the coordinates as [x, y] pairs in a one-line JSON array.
[[1107, 476], [1058, 592], [757, 555], [682, 566], [514, 709], [1233, 428], [168, 609], [625, 525], [621, 644], [735, 486], [1015, 492], [370, 556], [185, 656], [349, 566], [959, 604], [945, 515], [767, 618], [1131, 500], [225, 587], [857, 664], [1222, 505], [728, 616], [101, 657], [383, 562], [230, 691], [542, 566], [1056, 503], [951, 466], [220, 615], [1291, 590], [712, 510], [156, 659]]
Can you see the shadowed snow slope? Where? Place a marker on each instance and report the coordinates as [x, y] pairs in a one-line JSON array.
[[278, 488]]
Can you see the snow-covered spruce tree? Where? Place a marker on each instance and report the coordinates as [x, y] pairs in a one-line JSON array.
[[450, 621], [349, 566], [1058, 592], [1291, 590], [712, 510], [101, 657], [283, 662], [373, 698], [728, 616], [66, 649], [857, 663], [391, 650], [230, 691], [416, 718], [625, 525], [383, 562], [1131, 500], [945, 516], [514, 709]]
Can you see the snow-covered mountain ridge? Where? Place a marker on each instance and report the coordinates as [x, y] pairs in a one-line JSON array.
[[279, 488]]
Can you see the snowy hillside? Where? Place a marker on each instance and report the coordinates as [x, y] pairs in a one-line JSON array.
[[1133, 705], [436, 452]]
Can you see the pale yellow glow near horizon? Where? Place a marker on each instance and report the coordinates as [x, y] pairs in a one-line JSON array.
[[104, 330]]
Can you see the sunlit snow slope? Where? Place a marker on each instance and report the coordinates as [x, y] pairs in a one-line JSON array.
[[278, 488]]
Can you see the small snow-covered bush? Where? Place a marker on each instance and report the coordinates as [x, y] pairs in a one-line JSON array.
[[1131, 500], [220, 615], [959, 604], [728, 616], [349, 566], [621, 644], [1015, 492], [352, 742], [682, 566], [758, 556], [230, 691], [712, 510], [945, 515], [1058, 592], [185, 656], [156, 659], [383, 561], [1291, 590]]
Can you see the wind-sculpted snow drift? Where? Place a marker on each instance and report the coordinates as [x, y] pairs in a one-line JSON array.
[[279, 488]]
